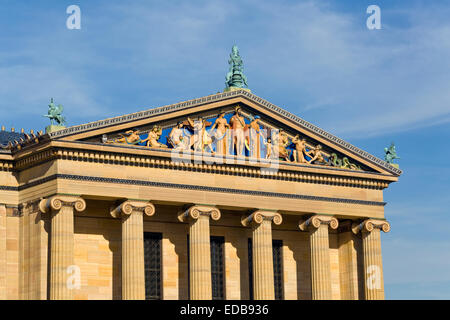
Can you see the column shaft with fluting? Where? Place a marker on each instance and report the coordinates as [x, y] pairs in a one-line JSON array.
[[263, 277], [200, 287], [373, 266], [320, 254], [61, 253], [200, 259], [62, 242], [133, 262], [263, 262], [320, 264], [133, 272]]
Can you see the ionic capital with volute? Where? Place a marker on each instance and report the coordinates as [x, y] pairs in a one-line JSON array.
[[370, 224], [129, 206], [194, 212], [259, 216], [316, 221], [58, 201]]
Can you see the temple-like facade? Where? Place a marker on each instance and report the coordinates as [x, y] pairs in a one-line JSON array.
[[222, 197]]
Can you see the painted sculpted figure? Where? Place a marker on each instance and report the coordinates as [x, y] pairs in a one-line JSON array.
[[283, 142], [237, 123], [177, 139], [153, 137], [130, 137], [253, 137], [317, 155], [220, 125], [201, 136], [269, 148], [300, 149]]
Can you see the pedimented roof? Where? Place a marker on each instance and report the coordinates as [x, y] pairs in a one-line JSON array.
[[245, 95]]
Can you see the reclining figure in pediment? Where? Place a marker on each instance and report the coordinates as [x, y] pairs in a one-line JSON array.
[[129, 137]]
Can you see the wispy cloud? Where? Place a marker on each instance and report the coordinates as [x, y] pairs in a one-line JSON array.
[[317, 61]]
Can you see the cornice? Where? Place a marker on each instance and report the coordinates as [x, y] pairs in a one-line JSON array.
[[161, 159]]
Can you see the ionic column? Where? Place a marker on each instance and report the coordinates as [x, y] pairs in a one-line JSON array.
[[261, 223], [133, 264], [320, 255], [199, 249], [373, 265], [62, 242]]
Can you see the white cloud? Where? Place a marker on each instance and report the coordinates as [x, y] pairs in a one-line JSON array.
[[308, 57]]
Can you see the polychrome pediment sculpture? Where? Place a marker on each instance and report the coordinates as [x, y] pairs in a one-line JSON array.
[[236, 124]]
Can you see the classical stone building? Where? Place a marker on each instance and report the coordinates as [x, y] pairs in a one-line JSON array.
[[138, 206], [223, 197]]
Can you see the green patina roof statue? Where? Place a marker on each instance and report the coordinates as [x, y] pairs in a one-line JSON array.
[[55, 113], [235, 76], [390, 154]]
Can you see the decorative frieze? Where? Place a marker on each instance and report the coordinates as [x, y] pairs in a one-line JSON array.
[[227, 169], [199, 188]]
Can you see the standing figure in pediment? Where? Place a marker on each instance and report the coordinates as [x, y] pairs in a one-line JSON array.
[[237, 123], [269, 148], [300, 149], [254, 137], [220, 125], [283, 142], [201, 136]]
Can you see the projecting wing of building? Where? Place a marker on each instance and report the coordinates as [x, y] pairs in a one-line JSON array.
[[229, 169]]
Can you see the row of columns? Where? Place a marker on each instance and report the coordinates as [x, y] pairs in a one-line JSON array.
[[132, 214]]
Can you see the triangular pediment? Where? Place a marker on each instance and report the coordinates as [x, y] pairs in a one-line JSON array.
[[275, 129]]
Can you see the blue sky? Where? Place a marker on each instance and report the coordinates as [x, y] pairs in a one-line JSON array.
[[316, 59]]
